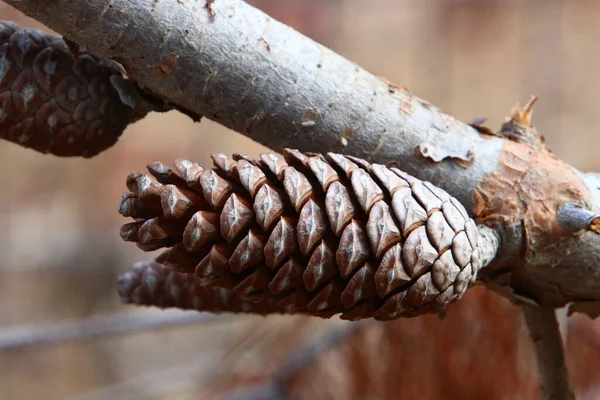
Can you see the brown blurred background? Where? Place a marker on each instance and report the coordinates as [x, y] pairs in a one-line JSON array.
[[60, 250]]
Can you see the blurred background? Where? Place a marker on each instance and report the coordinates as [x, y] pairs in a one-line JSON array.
[[60, 251]]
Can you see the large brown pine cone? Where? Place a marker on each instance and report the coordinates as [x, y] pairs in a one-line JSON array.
[[53, 103], [318, 235]]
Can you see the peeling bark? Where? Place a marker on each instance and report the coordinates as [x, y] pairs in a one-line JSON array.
[[528, 191], [230, 62], [529, 187]]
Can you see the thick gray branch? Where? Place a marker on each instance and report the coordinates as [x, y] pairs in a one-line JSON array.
[[232, 63], [259, 77]]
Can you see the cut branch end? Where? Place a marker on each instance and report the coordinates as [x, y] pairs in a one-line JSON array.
[[594, 226], [574, 218]]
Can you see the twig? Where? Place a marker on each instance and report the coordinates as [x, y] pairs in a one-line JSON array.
[[275, 387], [544, 332], [18, 337]]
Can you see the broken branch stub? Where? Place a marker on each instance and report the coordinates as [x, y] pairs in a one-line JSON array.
[[308, 233], [576, 217]]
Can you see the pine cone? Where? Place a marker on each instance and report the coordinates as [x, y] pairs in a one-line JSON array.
[[52, 103], [318, 235], [150, 283]]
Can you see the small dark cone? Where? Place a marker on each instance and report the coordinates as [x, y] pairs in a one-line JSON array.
[[311, 234], [53, 103], [150, 283]]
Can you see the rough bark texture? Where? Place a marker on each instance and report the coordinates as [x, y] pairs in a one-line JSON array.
[[259, 77], [232, 63]]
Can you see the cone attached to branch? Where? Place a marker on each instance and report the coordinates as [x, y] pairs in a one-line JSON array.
[[152, 284], [55, 102], [309, 233]]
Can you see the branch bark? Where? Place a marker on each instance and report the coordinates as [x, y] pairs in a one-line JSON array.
[[234, 64], [545, 335]]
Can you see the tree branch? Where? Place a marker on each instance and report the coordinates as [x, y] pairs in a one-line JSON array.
[[545, 335], [261, 78], [234, 64], [18, 337]]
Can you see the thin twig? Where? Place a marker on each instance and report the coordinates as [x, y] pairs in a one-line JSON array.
[[275, 387], [22, 336], [544, 332]]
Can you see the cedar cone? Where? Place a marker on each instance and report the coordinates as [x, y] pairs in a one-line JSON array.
[[313, 234], [53, 103]]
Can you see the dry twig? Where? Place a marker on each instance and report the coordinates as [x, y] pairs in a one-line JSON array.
[[275, 387], [162, 383], [545, 334], [101, 326]]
